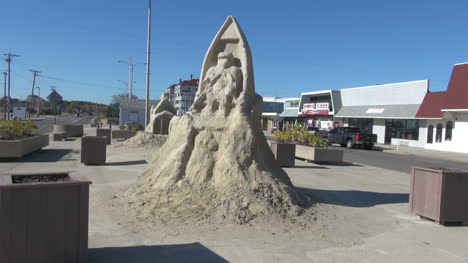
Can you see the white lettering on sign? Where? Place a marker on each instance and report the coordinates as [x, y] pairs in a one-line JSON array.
[[375, 110]]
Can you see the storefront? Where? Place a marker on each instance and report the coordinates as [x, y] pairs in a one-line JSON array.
[[272, 108], [317, 109], [446, 114], [388, 110], [290, 113]]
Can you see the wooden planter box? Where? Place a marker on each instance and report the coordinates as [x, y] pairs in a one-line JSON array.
[[93, 149], [284, 153], [106, 133], [317, 154], [440, 195], [19, 148], [43, 220], [123, 134], [69, 130]]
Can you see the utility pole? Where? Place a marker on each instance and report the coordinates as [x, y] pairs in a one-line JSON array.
[[4, 96], [39, 102], [148, 56], [35, 73], [130, 75], [126, 86], [8, 60]]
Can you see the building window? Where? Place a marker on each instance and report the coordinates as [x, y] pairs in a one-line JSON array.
[[365, 125], [439, 133], [448, 131], [430, 134], [404, 129]]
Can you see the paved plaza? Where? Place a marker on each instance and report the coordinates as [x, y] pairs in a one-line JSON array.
[[362, 216]]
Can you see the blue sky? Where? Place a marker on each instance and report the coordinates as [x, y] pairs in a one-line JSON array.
[[297, 45]]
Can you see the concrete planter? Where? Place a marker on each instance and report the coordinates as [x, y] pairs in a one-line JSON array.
[[284, 153], [106, 133], [59, 136], [317, 154], [69, 130], [93, 149], [44, 218], [19, 148], [440, 195], [123, 134]]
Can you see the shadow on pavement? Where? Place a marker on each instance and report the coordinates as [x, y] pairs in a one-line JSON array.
[[47, 155], [311, 167], [127, 163], [355, 198], [194, 252]]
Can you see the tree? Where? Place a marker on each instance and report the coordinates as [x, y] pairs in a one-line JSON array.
[[117, 98]]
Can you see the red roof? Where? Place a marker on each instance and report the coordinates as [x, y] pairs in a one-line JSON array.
[[192, 82], [432, 105], [454, 98], [457, 92]]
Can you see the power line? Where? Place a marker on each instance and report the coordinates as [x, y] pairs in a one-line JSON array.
[[80, 82]]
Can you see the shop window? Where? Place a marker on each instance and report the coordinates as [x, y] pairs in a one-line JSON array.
[[439, 133], [404, 129], [448, 131], [365, 125]]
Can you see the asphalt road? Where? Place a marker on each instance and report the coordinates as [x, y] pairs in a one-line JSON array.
[[47, 125], [397, 162]]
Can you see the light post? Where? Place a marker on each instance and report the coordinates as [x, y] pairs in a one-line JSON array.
[[130, 75], [39, 102], [5, 110], [148, 56]]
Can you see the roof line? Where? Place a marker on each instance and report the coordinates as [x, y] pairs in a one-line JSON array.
[[394, 83], [462, 63]]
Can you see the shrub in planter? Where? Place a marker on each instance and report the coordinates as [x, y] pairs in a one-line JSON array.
[[16, 129], [309, 146]]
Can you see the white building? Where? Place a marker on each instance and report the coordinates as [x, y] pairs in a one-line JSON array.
[[317, 108], [272, 108], [388, 110], [182, 95], [446, 114], [133, 111]]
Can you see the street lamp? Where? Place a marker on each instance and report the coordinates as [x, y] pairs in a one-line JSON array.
[[39, 102], [130, 75], [5, 110]]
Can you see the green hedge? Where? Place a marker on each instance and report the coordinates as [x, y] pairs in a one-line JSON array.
[[16, 129]]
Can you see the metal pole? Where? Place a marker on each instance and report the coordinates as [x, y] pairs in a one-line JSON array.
[[148, 55], [4, 96], [130, 92], [8, 60]]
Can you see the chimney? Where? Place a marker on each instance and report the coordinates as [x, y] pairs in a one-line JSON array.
[[180, 81], [191, 76]]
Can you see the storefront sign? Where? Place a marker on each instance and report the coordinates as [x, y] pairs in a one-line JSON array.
[[375, 110], [315, 108], [294, 104]]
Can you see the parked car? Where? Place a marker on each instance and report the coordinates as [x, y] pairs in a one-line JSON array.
[[350, 137], [312, 130]]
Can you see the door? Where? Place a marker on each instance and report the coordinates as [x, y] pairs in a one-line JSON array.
[[388, 131]]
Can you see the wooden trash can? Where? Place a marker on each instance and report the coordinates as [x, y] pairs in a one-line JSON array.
[[284, 153], [105, 132], [93, 149], [44, 218], [440, 195]]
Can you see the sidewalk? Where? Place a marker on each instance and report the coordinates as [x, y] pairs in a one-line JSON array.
[[440, 155]]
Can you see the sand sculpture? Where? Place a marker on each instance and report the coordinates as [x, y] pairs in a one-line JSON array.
[[160, 116], [216, 163]]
